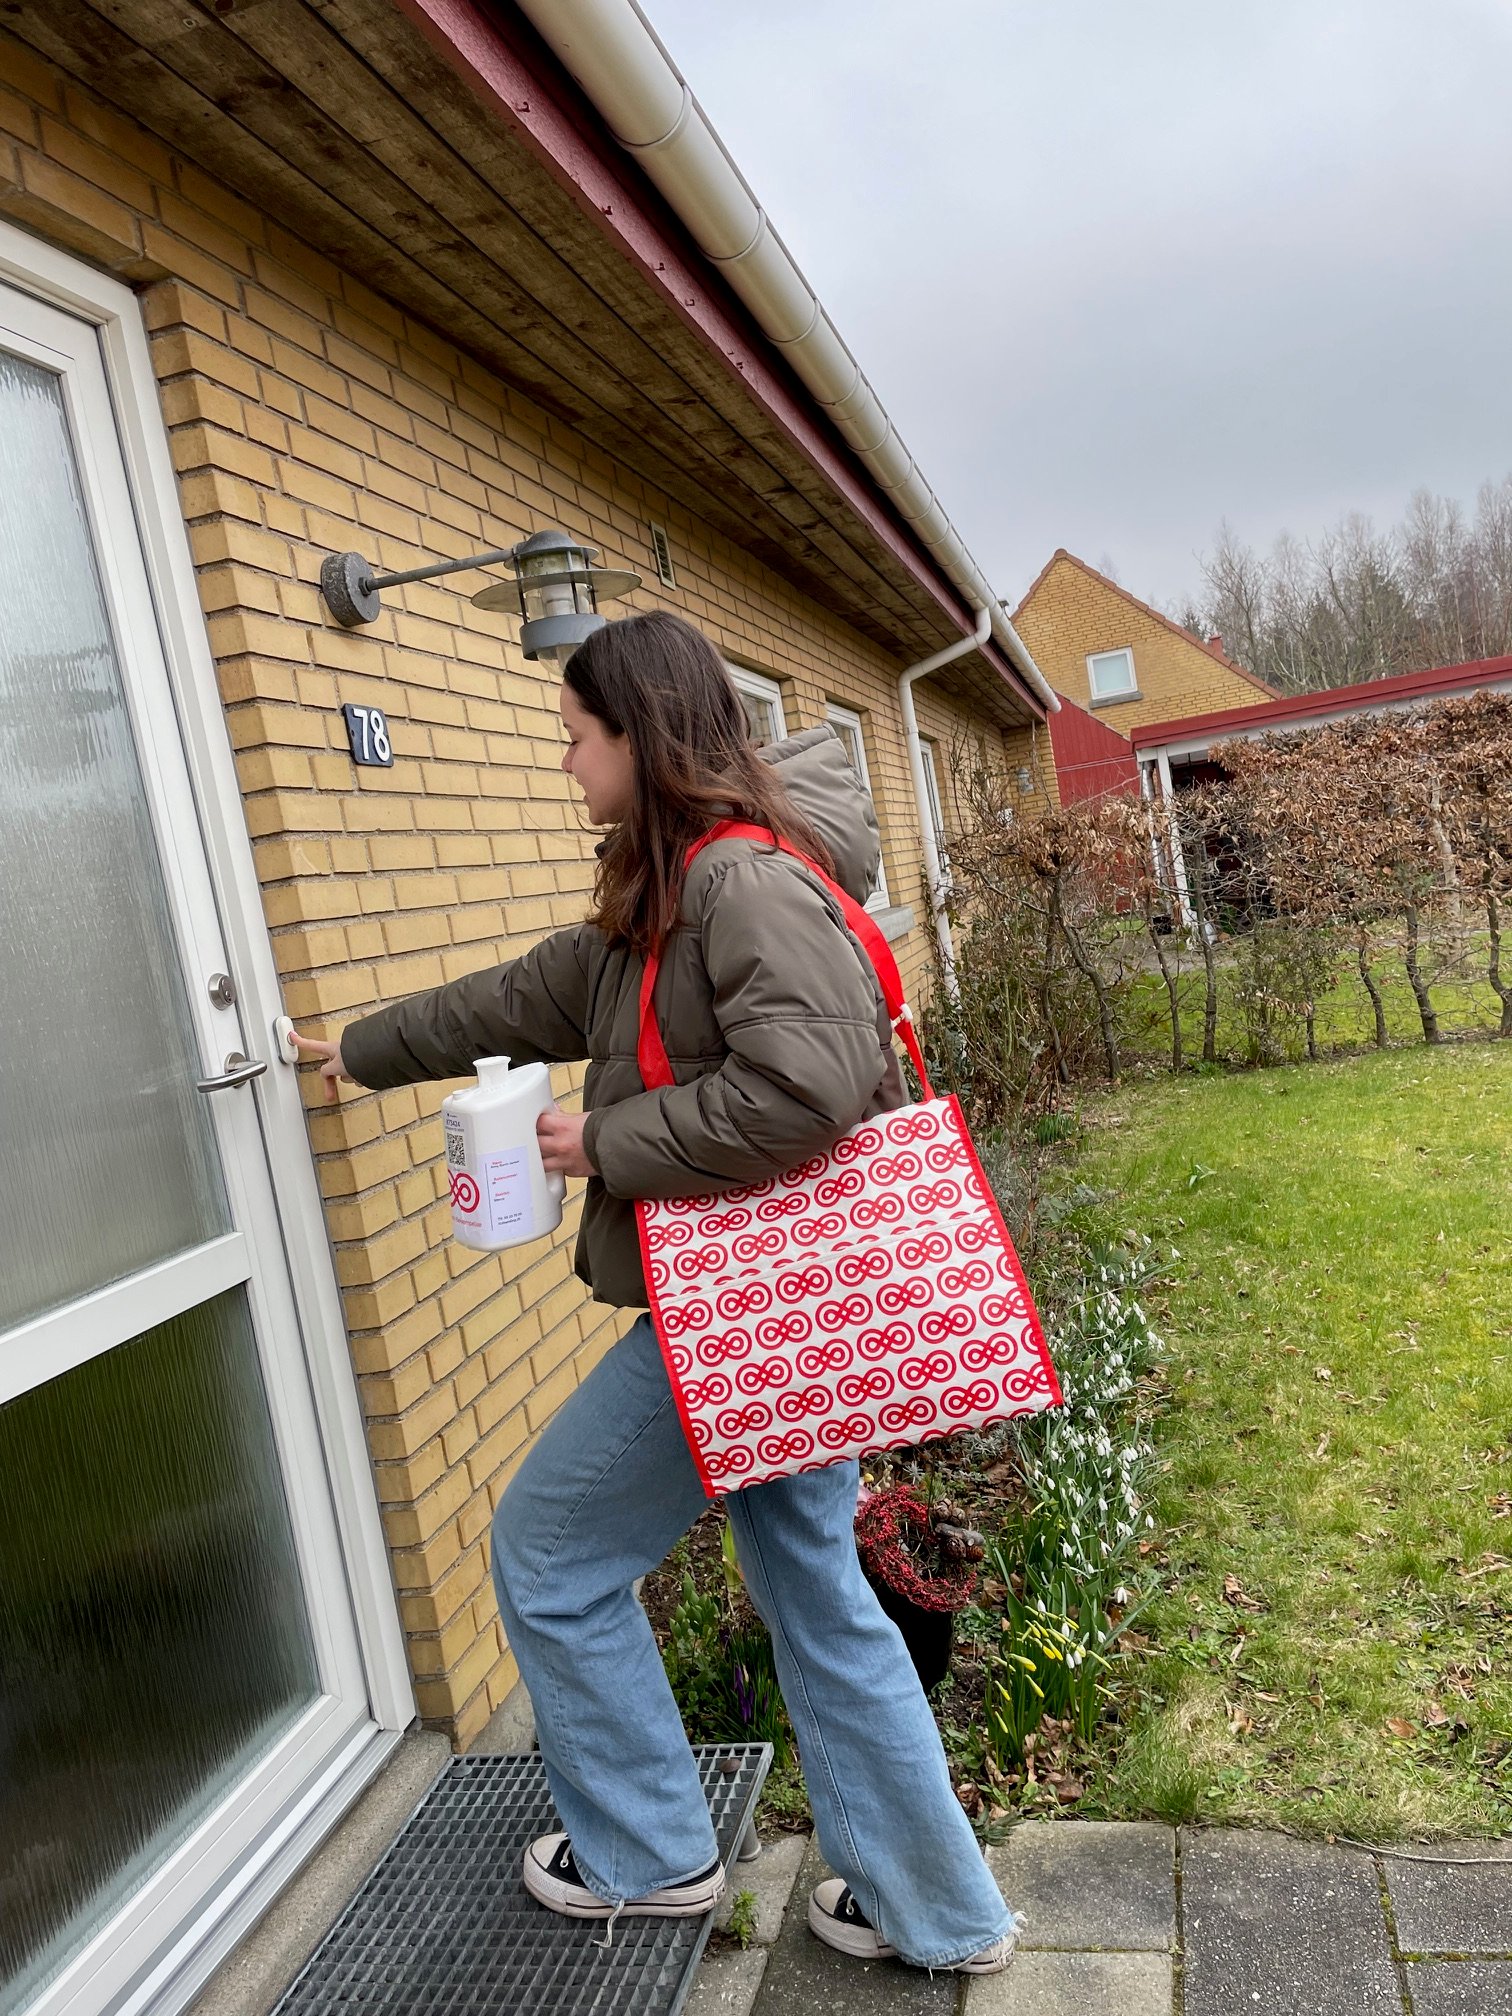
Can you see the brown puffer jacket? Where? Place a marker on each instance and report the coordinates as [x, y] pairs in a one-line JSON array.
[[769, 1009]]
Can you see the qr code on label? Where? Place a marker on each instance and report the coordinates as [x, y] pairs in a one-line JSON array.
[[456, 1146]]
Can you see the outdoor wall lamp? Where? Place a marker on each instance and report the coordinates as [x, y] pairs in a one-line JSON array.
[[556, 589]]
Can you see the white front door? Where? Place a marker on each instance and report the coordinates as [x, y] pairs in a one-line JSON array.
[[180, 1659]]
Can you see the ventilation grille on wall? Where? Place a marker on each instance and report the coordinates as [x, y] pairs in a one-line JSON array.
[[661, 547]]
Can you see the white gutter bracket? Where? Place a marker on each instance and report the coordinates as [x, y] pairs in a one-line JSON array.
[[934, 875]]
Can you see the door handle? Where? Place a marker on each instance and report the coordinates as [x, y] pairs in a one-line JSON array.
[[239, 1070]]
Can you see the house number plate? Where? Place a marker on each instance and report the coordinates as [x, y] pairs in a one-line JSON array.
[[368, 733]]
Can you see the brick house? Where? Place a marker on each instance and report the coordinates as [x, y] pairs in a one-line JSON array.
[[1120, 664], [279, 279]]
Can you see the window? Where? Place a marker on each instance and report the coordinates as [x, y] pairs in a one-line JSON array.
[[1110, 674], [762, 700], [847, 725], [661, 552], [936, 813]]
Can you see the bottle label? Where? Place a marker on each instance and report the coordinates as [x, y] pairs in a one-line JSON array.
[[468, 1211], [507, 1200], [456, 1141]]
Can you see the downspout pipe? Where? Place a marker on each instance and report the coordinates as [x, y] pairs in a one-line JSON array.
[[934, 875], [613, 52]]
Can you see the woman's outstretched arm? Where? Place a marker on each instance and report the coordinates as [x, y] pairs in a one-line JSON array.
[[531, 1009]]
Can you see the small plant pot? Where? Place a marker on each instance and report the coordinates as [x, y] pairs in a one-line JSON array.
[[928, 1634], [921, 1593]]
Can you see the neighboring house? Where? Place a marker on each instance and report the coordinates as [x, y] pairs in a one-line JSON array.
[[1119, 659], [278, 281], [1174, 753]]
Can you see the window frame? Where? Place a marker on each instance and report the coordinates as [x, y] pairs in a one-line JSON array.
[[846, 721], [756, 686], [1128, 692], [932, 792]]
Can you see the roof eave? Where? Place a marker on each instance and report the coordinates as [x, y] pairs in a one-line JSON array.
[[510, 74]]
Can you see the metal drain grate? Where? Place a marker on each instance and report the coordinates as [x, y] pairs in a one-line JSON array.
[[444, 1927]]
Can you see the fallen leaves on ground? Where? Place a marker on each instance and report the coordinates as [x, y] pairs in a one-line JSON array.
[[1235, 1592]]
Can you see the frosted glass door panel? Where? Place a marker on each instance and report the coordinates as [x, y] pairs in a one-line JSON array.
[[107, 1161], [153, 1640]]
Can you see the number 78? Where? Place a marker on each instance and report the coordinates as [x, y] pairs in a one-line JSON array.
[[369, 735]]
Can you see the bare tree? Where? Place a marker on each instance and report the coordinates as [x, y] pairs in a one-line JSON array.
[[1355, 603]]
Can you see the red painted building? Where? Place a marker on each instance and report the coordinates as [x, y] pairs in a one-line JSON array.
[[1091, 759]]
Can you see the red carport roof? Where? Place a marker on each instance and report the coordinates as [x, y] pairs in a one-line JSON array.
[[1359, 698]]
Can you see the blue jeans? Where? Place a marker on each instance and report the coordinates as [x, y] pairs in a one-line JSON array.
[[602, 1498]]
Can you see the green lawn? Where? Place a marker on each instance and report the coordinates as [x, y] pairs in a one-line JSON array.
[[1334, 1637], [1343, 1021]]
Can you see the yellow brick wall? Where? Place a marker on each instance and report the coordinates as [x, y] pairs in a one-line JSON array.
[[1072, 612], [307, 415]]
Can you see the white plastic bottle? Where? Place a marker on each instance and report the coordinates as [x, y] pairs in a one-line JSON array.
[[501, 1194]]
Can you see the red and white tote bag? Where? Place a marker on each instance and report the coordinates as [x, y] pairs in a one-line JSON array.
[[868, 1299]]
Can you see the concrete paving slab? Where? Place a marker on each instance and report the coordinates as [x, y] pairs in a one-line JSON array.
[[1075, 1984], [1440, 1909], [252, 1978], [804, 1977], [770, 1879], [1460, 1987], [1099, 1884], [727, 1983], [1282, 1928]]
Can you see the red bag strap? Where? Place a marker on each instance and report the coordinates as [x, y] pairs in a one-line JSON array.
[[651, 1052]]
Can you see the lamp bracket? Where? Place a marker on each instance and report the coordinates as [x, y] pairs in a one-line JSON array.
[[351, 588], [351, 594]]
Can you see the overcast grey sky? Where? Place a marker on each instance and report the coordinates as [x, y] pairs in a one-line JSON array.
[[1119, 269]]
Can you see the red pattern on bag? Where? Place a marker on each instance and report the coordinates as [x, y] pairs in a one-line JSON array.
[[889, 1250]]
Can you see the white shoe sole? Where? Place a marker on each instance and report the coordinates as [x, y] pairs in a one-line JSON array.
[[683, 1900], [977, 1965], [861, 1942]]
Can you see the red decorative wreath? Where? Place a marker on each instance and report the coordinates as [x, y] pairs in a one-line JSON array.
[[897, 1545]]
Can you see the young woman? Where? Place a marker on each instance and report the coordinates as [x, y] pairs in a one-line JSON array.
[[779, 1042]]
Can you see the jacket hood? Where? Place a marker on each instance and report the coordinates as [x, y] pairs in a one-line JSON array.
[[817, 775]]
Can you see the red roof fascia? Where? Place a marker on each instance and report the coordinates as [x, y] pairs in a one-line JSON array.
[[1092, 760], [503, 65], [1358, 698]]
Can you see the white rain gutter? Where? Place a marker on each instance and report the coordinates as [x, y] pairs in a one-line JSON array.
[[614, 54], [934, 877]]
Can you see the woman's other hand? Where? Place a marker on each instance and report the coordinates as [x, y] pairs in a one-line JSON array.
[[561, 1139], [328, 1056]]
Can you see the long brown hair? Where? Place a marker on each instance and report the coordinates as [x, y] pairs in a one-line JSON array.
[[661, 682]]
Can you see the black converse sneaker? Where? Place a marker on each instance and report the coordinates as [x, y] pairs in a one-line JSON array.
[[836, 1918], [553, 1879]]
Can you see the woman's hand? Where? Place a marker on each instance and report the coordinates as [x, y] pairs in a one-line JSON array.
[[561, 1139], [328, 1056]]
